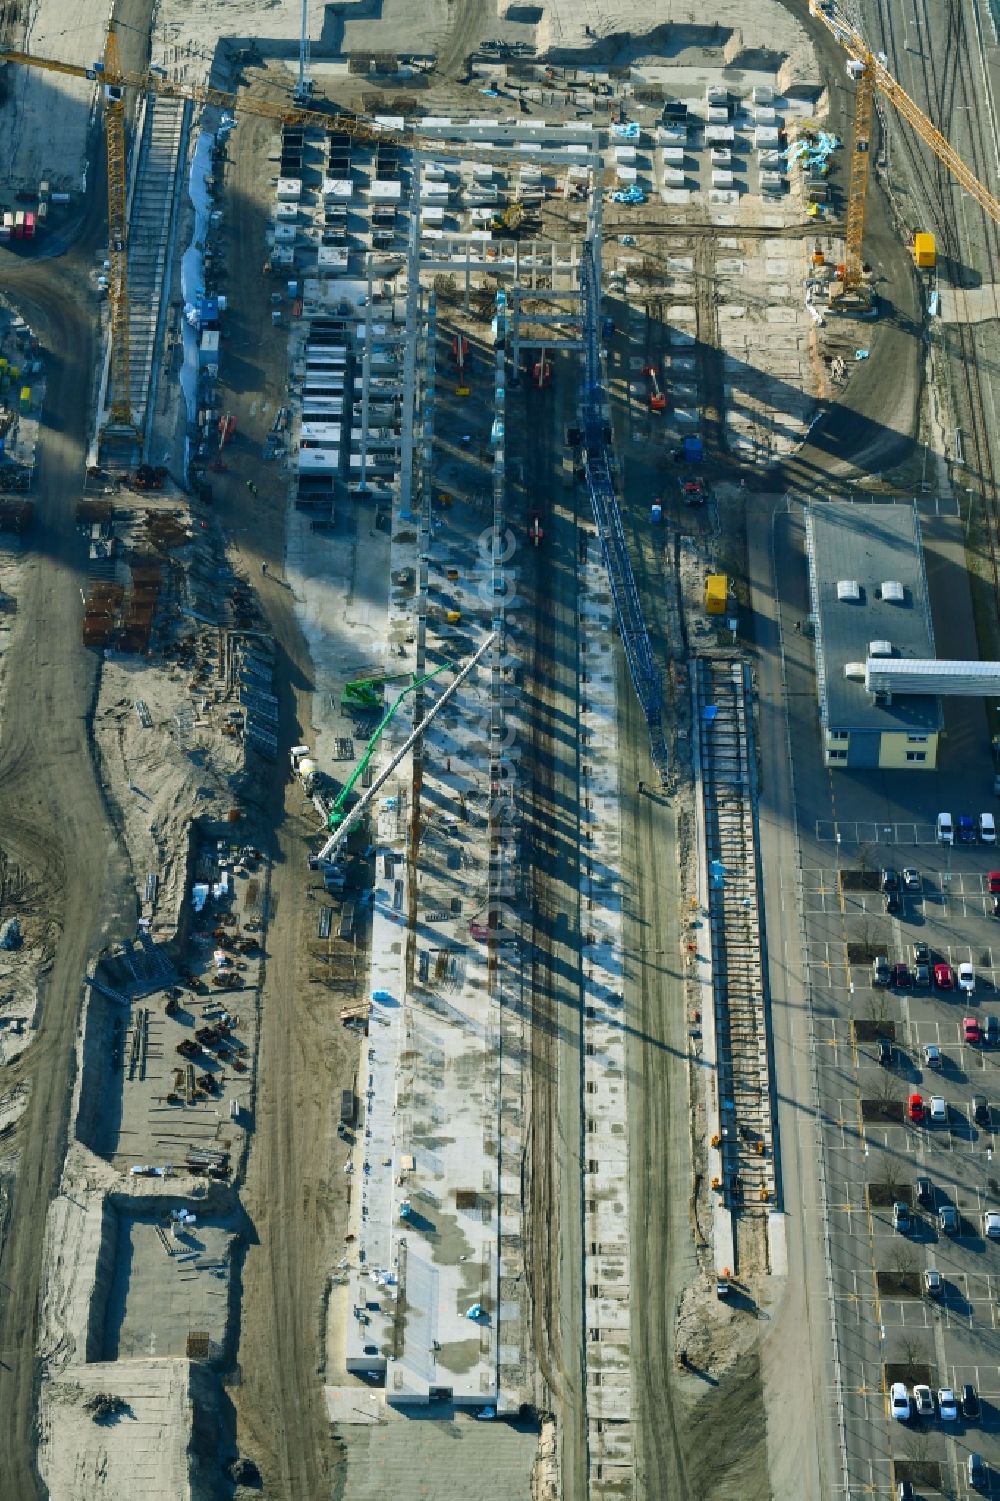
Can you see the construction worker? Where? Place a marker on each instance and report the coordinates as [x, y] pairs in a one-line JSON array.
[[263, 568], [642, 788]]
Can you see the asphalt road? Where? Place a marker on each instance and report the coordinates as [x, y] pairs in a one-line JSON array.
[[55, 822]]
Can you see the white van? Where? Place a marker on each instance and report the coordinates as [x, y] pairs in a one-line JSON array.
[[987, 828], [945, 829]]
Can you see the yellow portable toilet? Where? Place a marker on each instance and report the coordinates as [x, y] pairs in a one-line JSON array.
[[924, 252], [716, 593]]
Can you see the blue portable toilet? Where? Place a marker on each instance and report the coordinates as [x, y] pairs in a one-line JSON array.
[[694, 450]]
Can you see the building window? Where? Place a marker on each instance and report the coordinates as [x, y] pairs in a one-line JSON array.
[[916, 755], [916, 739], [836, 755], [839, 735]]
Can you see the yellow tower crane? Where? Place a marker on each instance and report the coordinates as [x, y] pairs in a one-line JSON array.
[[869, 72], [115, 80]]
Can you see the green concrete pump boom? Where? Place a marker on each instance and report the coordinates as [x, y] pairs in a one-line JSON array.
[[337, 811]]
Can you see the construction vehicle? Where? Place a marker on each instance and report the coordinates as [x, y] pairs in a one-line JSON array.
[[693, 492], [338, 819], [304, 767], [148, 477], [657, 396], [336, 813], [460, 354], [510, 220], [541, 372], [869, 73]]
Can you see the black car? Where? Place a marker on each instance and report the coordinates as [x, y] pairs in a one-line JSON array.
[[884, 1050], [980, 1110], [892, 902], [969, 1401], [890, 879], [925, 1193], [905, 1491]]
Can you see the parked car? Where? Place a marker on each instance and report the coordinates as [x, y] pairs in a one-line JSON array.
[[923, 1401], [884, 1051], [991, 1032], [905, 1491], [991, 1224], [938, 1110], [901, 1216], [965, 828], [881, 971], [911, 878], [901, 976], [925, 1192], [921, 953], [945, 829], [915, 1108], [922, 974], [976, 1470], [948, 1219], [970, 1401], [970, 1029], [889, 879], [987, 828], [932, 1055], [995, 906], [891, 903], [980, 1110], [993, 882], [899, 1402], [966, 977], [933, 1282], [947, 1406], [943, 977]]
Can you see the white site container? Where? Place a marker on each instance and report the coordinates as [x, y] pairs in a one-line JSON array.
[[673, 177], [766, 136], [341, 188], [327, 434], [717, 114], [318, 460], [284, 234], [673, 156], [771, 182], [719, 135], [482, 171], [286, 211], [764, 114], [721, 178], [382, 191], [289, 189], [624, 153], [431, 215], [626, 174], [672, 135], [332, 257], [763, 93], [721, 156], [716, 93]]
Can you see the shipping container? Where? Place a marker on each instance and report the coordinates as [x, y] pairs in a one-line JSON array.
[[924, 251], [716, 593]]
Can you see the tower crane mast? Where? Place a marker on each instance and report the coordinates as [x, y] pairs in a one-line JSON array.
[[870, 72]]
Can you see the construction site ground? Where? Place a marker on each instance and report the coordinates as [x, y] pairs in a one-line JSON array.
[[96, 800]]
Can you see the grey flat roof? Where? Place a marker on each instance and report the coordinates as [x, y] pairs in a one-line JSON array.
[[871, 545]]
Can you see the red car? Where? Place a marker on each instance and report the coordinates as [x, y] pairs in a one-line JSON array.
[[915, 1107], [901, 976], [970, 1029], [944, 978], [993, 882]]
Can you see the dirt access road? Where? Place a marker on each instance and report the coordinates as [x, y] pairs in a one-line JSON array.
[[55, 823]]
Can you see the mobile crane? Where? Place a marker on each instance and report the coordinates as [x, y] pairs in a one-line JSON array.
[[869, 72]]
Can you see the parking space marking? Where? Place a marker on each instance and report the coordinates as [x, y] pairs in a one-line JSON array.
[[839, 831]]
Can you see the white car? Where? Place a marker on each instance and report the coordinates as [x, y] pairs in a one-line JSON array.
[[966, 978], [991, 1225], [932, 1055], [938, 1109], [947, 1405], [923, 1401], [899, 1401]]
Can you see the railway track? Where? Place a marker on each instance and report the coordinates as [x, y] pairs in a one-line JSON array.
[[948, 95]]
